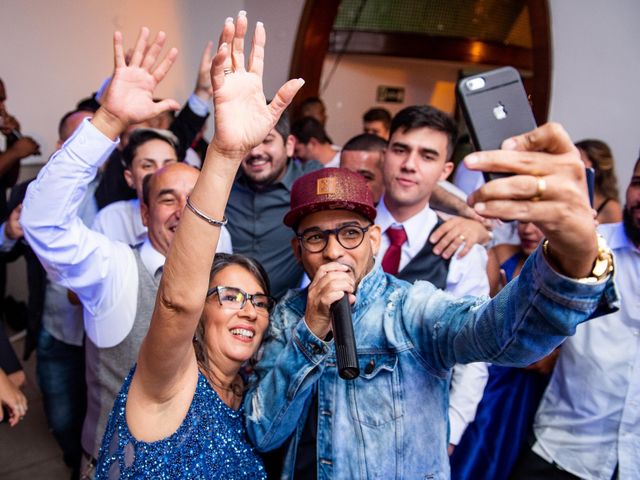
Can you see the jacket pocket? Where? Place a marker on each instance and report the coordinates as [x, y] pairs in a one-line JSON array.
[[376, 393]]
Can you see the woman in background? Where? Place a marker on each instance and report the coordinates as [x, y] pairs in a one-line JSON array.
[[597, 155]]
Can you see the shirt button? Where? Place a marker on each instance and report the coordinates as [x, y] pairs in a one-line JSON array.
[[370, 366]]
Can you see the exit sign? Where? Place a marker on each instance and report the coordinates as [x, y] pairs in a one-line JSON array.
[[390, 94]]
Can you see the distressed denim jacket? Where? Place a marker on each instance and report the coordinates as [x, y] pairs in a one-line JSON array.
[[391, 421]]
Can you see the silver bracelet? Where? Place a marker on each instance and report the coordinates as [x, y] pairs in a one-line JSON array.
[[205, 217]]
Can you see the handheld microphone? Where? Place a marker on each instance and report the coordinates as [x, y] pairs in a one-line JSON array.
[[344, 339]]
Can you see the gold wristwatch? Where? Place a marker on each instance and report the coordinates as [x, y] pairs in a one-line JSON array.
[[602, 267]]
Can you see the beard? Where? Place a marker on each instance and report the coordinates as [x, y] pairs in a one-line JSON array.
[[631, 227]]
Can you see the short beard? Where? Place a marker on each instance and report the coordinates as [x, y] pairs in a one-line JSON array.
[[630, 228]]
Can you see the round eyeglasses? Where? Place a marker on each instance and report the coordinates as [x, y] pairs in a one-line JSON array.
[[349, 237], [236, 299]]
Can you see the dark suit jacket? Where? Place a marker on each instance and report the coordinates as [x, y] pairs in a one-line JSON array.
[[36, 275]]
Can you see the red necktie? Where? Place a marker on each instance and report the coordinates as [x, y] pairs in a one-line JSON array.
[[391, 261]]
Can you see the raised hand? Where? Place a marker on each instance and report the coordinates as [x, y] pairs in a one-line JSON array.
[[242, 117], [129, 98], [203, 84], [548, 189]]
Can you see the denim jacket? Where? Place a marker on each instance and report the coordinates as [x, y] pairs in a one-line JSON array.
[[391, 421]]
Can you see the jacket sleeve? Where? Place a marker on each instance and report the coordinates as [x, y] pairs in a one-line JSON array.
[[530, 317], [281, 392]]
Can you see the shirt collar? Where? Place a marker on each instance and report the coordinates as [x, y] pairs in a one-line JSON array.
[[619, 239], [151, 258], [137, 217], [417, 227]]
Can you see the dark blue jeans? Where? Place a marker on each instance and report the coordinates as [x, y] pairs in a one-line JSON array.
[[60, 368]]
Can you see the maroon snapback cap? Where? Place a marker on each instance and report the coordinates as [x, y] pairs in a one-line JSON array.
[[330, 189]]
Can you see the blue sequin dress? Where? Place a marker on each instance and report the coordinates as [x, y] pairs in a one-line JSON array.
[[210, 443]]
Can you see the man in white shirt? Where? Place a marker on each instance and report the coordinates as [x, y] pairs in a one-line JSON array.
[[416, 159], [588, 423], [115, 283], [147, 151]]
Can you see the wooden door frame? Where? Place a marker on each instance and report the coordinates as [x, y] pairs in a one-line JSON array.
[[316, 24]]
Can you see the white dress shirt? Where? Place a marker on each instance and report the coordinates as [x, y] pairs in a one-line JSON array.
[[102, 272], [589, 418], [122, 221], [466, 276], [335, 161]]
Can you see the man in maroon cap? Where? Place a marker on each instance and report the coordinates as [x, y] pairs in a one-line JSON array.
[[391, 421]]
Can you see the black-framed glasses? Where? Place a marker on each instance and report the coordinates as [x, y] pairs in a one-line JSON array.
[[236, 298], [315, 240]]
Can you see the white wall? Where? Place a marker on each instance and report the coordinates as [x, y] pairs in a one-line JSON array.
[[54, 53], [353, 88], [596, 73]]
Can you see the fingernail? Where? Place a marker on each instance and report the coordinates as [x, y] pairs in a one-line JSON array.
[[480, 207], [228, 20], [471, 159], [301, 80], [509, 144], [436, 251], [259, 24], [242, 13]]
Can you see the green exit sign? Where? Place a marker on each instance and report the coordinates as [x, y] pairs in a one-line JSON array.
[[390, 94]]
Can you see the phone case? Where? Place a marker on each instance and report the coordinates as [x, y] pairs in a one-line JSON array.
[[496, 109]]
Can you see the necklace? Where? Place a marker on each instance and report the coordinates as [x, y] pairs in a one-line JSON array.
[[236, 387]]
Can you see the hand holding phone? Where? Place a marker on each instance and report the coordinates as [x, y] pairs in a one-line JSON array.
[[495, 107]]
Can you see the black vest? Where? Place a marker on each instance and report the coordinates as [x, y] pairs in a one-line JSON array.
[[426, 265]]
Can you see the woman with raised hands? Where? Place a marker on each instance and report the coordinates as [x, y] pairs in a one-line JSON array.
[[179, 412]]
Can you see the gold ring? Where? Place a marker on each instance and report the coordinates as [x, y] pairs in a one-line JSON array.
[[541, 187], [462, 238], [227, 71]]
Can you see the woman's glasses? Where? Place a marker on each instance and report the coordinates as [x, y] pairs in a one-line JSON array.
[[236, 299]]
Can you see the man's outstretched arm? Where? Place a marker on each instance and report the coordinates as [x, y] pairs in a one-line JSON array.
[[84, 261]]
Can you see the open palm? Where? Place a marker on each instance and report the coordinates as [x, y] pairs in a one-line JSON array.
[[130, 95], [243, 119]]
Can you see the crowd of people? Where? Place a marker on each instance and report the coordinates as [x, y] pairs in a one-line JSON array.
[[180, 295]]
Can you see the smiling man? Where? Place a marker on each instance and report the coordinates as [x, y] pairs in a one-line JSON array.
[[147, 151], [391, 421], [258, 201]]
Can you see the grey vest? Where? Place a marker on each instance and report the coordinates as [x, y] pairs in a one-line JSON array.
[[426, 265], [106, 368]]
